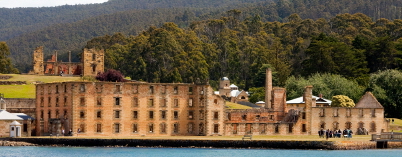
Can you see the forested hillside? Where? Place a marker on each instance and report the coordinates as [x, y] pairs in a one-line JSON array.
[[67, 28]]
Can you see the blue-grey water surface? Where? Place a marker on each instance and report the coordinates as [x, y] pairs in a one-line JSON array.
[[189, 152]]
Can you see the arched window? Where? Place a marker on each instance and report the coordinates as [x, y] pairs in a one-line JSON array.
[[372, 127], [348, 125], [335, 125], [322, 125]]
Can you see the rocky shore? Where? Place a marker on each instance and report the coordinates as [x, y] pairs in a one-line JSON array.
[[15, 143]]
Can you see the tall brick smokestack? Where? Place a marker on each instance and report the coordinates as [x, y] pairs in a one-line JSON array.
[[268, 88]]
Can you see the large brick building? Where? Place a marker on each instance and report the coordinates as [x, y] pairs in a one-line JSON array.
[[128, 109]]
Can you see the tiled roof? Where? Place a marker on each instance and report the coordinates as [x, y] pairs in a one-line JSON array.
[[368, 100]]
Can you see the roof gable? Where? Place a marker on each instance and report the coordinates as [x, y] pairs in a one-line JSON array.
[[368, 101]]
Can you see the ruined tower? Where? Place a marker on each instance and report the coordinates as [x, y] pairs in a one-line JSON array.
[[38, 66], [268, 88], [93, 62], [224, 87]]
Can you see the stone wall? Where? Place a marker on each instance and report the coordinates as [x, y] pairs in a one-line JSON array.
[[13, 82], [264, 144]]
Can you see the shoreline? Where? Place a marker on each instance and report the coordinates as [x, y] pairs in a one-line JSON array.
[[180, 143]]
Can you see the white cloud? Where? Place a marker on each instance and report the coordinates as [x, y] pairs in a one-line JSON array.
[[44, 3]]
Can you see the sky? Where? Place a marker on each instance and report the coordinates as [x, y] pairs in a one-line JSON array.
[[44, 3]]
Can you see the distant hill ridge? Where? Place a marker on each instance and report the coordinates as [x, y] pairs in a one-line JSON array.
[[68, 28]]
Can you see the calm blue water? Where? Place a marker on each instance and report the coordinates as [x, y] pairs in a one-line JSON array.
[[188, 152]]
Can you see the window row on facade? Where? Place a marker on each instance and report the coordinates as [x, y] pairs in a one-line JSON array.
[[151, 128], [335, 112], [118, 88]]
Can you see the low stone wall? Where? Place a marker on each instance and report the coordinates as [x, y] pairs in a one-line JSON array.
[[5, 77], [13, 82], [15, 143], [256, 144]]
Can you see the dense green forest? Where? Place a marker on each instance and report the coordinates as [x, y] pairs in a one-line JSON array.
[[67, 28]]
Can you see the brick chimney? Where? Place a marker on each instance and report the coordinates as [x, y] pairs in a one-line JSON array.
[[268, 88]]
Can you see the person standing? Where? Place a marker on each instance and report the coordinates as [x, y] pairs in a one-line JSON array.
[[62, 132]]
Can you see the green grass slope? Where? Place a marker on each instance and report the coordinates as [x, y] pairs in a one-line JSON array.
[[28, 90]]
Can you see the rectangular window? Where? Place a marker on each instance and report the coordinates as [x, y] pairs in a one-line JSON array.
[[82, 114], [135, 89], [41, 115], [57, 101], [216, 115], [190, 90], [175, 90], [190, 115], [117, 101], [65, 88], [118, 89], [98, 128], [163, 89], [151, 103], [304, 129], [99, 114], [116, 128], [176, 114], [163, 128], [82, 87], [98, 88], [135, 114], [303, 115], [57, 89], [135, 128], [99, 101], [135, 102], [176, 103], [348, 114], [42, 102], [373, 112], [175, 128], [82, 101], [151, 89], [190, 102], [65, 101], [49, 101], [201, 114], [216, 128], [335, 112], [151, 114], [163, 114], [151, 128], [116, 114], [361, 112], [163, 102], [322, 112]]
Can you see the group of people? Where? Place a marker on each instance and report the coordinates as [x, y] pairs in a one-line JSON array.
[[347, 133]]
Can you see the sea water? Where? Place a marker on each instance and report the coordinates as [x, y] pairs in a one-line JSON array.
[[189, 152]]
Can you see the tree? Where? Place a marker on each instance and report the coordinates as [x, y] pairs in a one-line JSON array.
[[342, 101], [386, 87], [110, 76], [6, 66], [256, 94], [326, 84]]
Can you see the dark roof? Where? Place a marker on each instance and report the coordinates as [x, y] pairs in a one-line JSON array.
[[248, 104], [368, 101], [24, 116]]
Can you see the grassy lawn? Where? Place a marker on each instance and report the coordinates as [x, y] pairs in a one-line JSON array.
[[231, 105], [396, 126], [28, 90]]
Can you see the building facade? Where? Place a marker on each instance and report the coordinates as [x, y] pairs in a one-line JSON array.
[[92, 62], [128, 109]]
